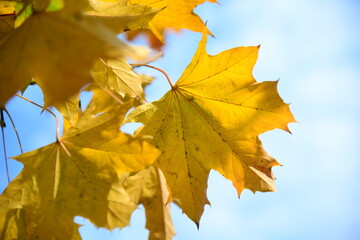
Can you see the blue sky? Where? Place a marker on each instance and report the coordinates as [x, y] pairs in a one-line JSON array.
[[313, 48]]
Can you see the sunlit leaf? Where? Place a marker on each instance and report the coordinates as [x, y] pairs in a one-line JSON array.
[[70, 111], [118, 75], [148, 187], [58, 52], [177, 14], [211, 119], [78, 176], [120, 16]]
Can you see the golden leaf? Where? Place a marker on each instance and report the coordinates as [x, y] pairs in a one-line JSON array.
[[119, 16], [57, 51], [118, 76], [211, 119], [70, 111], [148, 187], [176, 14], [7, 17], [78, 176]]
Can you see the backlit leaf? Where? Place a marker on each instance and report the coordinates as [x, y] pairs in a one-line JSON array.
[[211, 119], [70, 111], [119, 16], [104, 99], [177, 14], [12, 224], [58, 52], [78, 176], [148, 187], [118, 76]]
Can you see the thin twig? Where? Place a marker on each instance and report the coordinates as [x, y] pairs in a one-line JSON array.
[[160, 70], [2, 123], [56, 119], [16, 131]]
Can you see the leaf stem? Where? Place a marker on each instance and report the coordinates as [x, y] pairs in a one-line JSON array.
[[2, 125], [56, 119], [15, 129], [160, 70]]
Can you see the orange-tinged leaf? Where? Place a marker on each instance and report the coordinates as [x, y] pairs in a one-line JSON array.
[[78, 176], [57, 51], [7, 7], [153, 41], [148, 187], [211, 119], [177, 14]]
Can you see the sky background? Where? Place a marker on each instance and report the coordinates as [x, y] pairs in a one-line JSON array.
[[313, 47]]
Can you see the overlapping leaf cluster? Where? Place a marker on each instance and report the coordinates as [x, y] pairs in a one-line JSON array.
[[210, 119]]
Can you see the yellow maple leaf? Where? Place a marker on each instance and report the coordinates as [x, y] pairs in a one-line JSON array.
[[14, 222], [176, 14], [78, 176], [103, 100], [13, 226], [211, 119], [56, 51], [148, 187], [106, 95], [120, 16], [117, 75], [70, 111]]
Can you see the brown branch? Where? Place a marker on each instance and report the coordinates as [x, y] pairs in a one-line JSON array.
[[2, 123], [160, 70]]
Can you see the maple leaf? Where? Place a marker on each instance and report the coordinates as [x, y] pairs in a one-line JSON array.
[[70, 110], [119, 16], [211, 119], [57, 51], [106, 96], [148, 187], [118, 76], [103, 99], [178, 14], [14, 226], [7, 17], [78, 176]]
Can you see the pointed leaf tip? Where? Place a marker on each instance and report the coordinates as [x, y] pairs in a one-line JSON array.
[[210, 88]]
